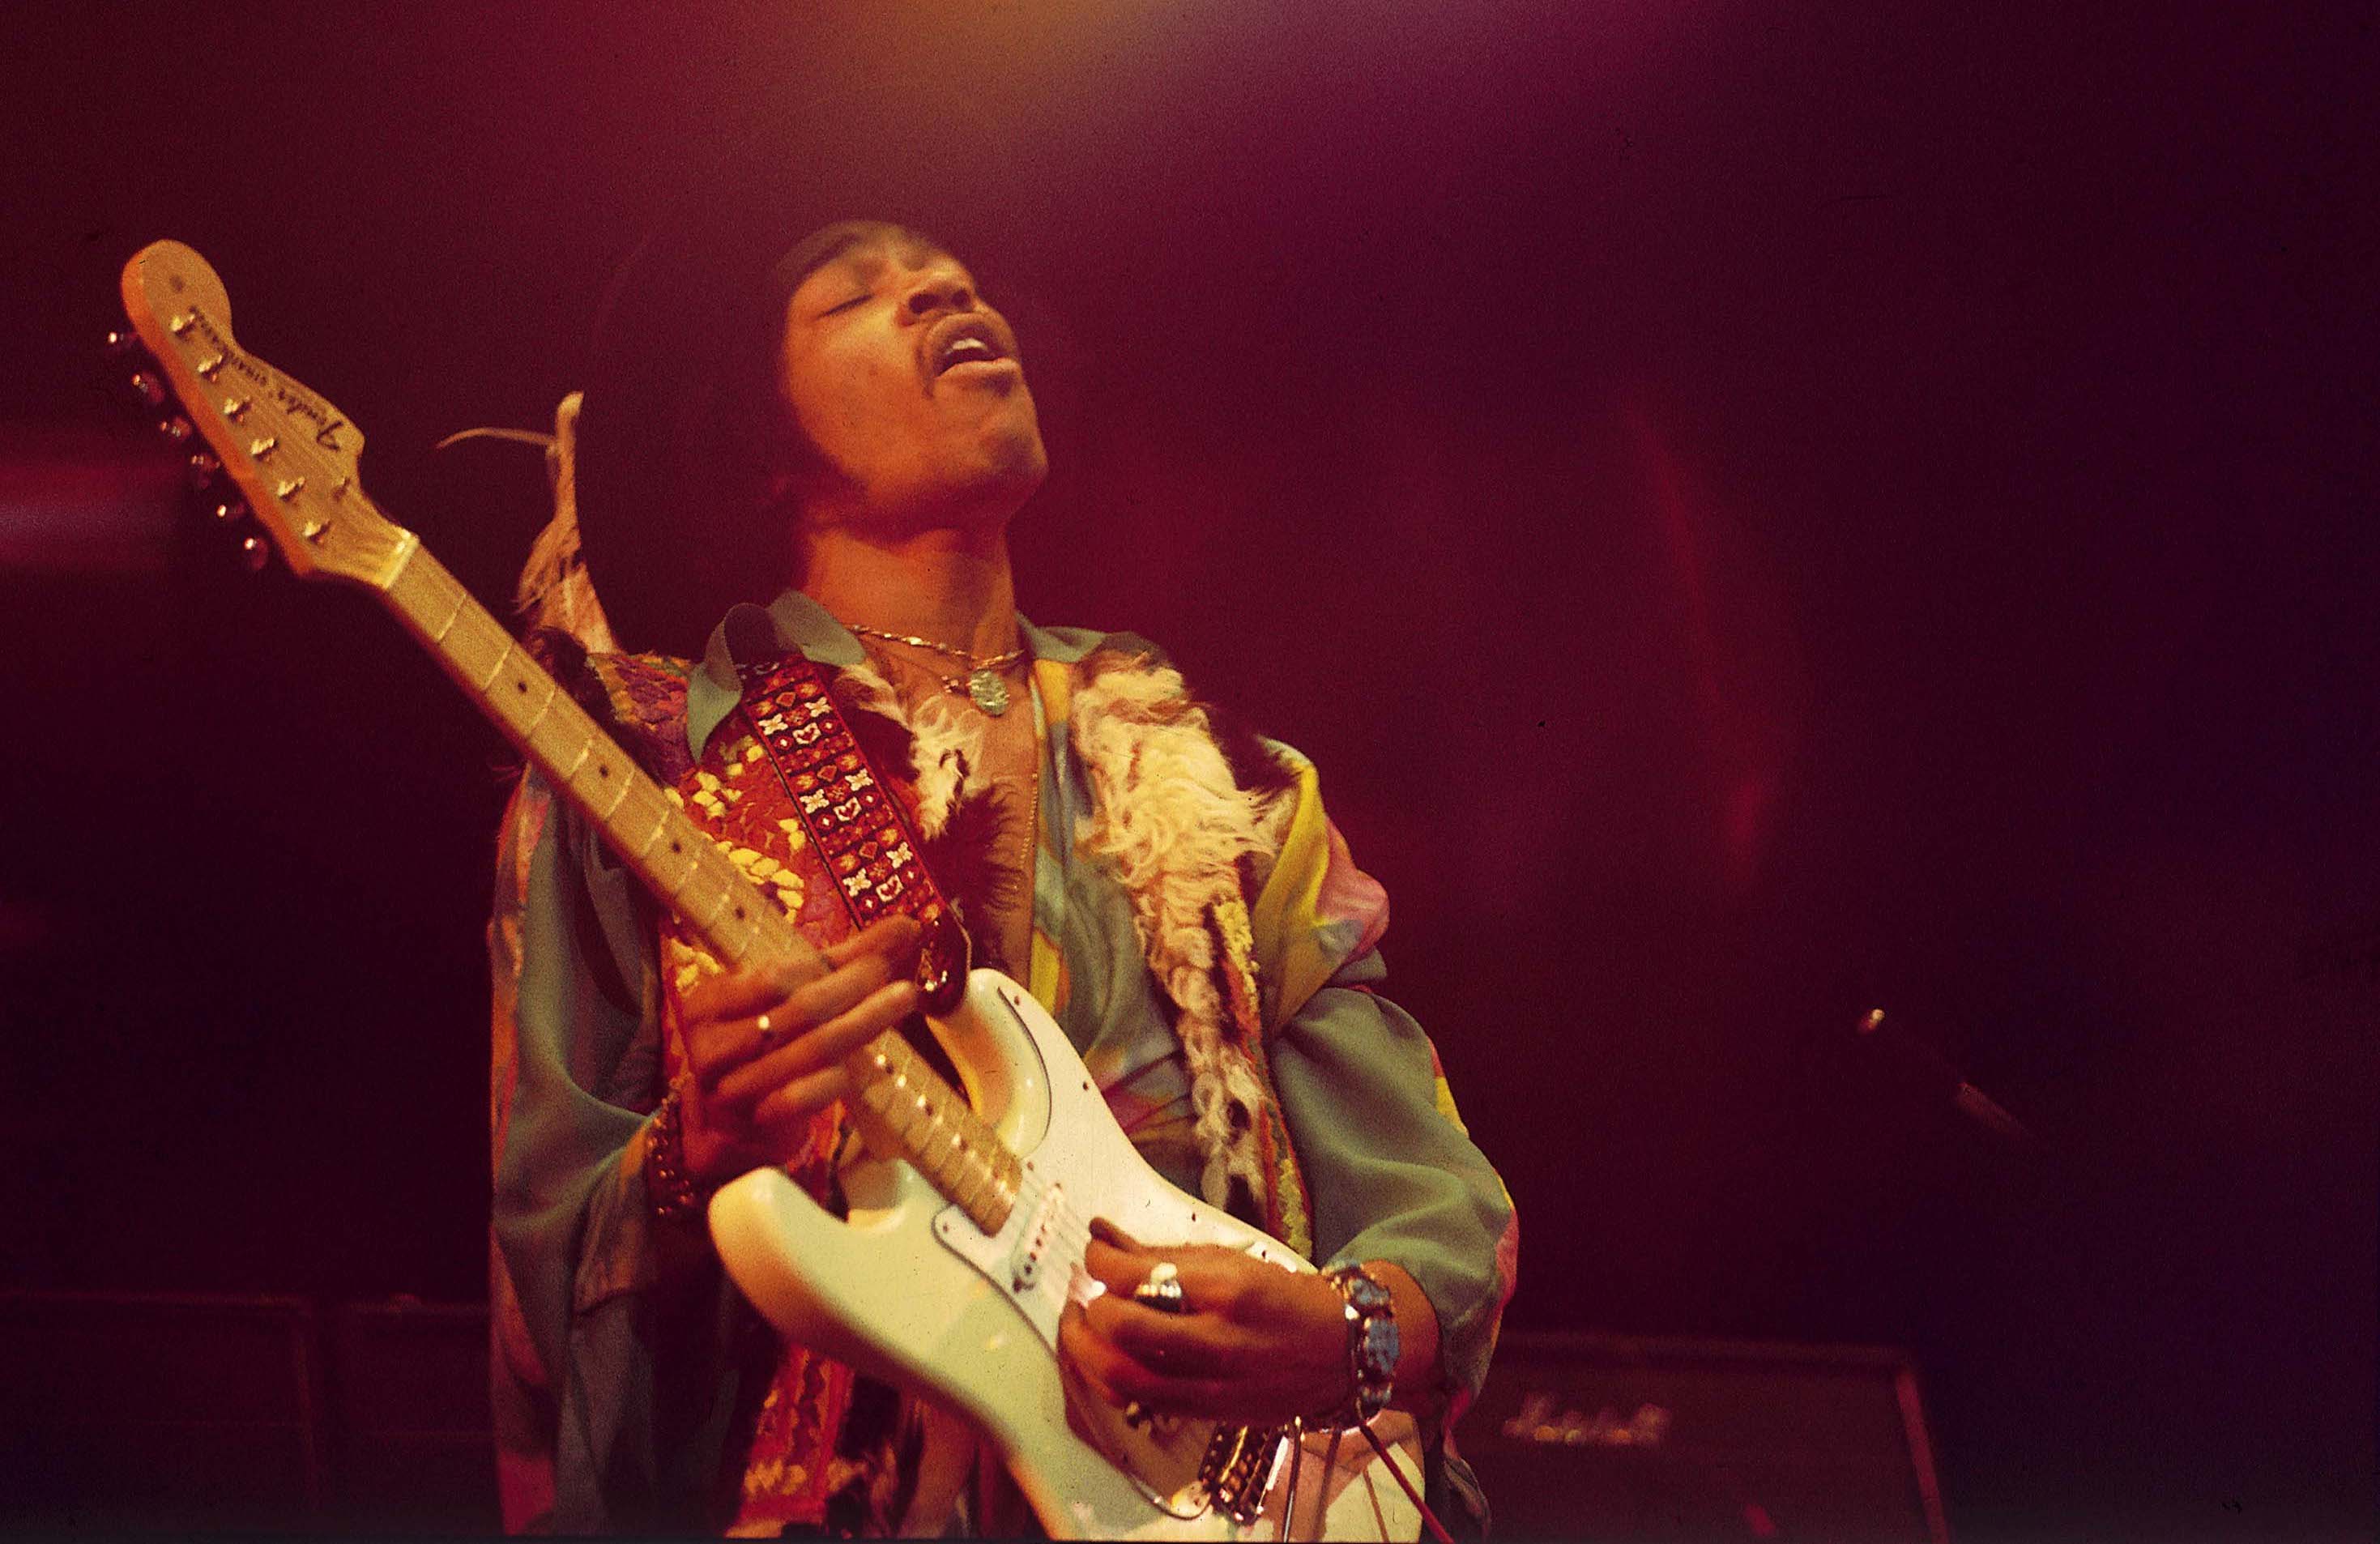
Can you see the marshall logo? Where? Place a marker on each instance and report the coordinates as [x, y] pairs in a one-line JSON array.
[[1541, 1420]]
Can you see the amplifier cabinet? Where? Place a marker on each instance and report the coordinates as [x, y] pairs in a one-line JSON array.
[[411, 1450], [137, 1413], [1607, 1438]]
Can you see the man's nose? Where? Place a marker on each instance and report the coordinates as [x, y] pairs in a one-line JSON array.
[[940, 289]]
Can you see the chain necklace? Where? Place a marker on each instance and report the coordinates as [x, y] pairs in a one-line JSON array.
[[982, 685]]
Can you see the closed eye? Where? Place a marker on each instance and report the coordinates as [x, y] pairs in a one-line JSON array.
[[845, 304]]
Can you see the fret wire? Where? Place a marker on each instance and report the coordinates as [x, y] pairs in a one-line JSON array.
[[764, 941], [693, 855], [608, 810], [738, 946], [662, 827], [900, 1114], [430, 574], [586, 748], [700, 885], [644, 849], [631, 789], [969, 1192], [544, 706], [504, 657]]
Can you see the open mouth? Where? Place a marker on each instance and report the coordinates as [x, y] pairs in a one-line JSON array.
[[966, 340]]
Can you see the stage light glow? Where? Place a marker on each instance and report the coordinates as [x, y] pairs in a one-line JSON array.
[[76, 502]]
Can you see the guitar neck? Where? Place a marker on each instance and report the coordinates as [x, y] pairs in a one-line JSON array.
[[904, 1107], [681, 865], [295, 459]]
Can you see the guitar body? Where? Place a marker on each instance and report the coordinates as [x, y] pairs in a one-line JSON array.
[[907, 1288]]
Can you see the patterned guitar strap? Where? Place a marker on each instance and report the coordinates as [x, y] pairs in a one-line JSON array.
[[858, 828], [862, 835]]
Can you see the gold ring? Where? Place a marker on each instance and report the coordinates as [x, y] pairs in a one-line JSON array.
[[768, 1030]]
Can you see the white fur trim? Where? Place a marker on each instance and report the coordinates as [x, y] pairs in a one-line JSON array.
[[1166, 811], [945, 744]]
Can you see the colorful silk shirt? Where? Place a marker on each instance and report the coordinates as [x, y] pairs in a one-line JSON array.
[[625, 1369]]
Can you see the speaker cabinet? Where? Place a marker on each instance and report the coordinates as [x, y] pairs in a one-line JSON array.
[[1603, 1437], [412, 1450], [137, 1413]]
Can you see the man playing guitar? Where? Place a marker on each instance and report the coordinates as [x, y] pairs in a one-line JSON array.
[[1168, 888]]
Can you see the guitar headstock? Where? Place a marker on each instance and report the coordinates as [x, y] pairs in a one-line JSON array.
[[291, 454]]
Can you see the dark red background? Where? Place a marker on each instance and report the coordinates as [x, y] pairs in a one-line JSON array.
[[1758, 512]]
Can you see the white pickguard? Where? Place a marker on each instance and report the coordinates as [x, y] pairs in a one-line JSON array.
[[909, 1289]]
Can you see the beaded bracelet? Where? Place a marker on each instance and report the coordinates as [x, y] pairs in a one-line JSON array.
[[674, 1195], [1372, 1348]]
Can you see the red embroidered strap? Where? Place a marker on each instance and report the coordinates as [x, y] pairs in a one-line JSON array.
[[858, 829]]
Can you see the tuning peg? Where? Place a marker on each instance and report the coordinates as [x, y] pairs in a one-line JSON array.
[[176, 428], [255, 553], [231, 511], [203, 470], [123, 343], [149, 388]]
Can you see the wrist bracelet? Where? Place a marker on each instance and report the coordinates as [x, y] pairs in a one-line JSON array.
[[675, 1195], [1372, 1347]]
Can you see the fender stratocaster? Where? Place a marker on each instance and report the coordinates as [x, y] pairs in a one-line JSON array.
[[967, 1220]]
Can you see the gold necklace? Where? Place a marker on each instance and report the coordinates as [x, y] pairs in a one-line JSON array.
[[982, 685]]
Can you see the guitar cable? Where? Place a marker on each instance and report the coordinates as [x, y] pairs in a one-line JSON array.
[[1437, 1528], [1331, 1462]]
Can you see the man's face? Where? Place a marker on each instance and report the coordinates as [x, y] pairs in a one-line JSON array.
[[909, 390]]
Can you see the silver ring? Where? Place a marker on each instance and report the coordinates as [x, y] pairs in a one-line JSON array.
[[1162, 1289]]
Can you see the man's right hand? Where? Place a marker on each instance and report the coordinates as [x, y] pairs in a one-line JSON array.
[[753, 1091]]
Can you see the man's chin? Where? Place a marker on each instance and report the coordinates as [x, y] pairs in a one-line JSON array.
[[1013, 466]]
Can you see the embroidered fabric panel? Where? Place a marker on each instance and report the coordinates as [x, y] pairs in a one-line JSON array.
[[647, 695]]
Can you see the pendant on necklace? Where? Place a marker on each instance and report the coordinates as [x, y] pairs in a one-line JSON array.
[[991, 693]]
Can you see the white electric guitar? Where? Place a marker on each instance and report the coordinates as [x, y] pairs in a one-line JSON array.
[[968, 1222]]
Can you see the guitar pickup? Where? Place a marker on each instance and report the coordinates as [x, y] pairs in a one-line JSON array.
[[1033, 1241]]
